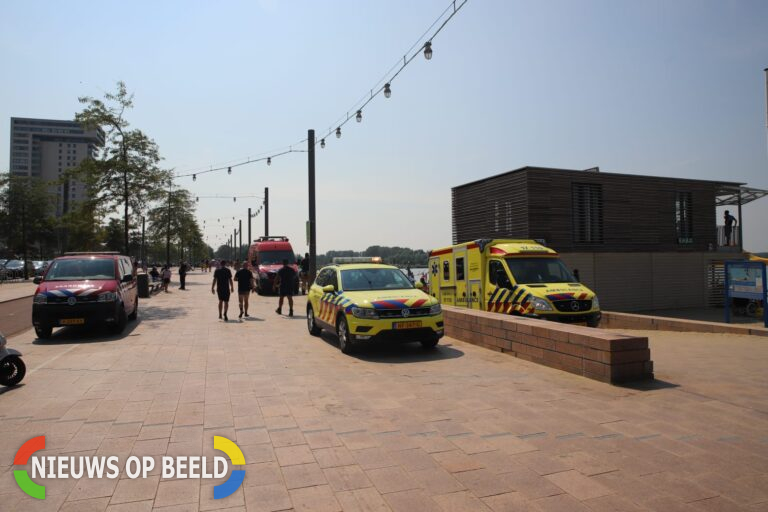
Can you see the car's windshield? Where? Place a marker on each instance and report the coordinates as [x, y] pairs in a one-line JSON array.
[[374, 279], [79, 269], [539, 270], [276, 257]]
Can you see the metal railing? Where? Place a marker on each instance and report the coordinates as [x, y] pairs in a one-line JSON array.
[[728, 241]]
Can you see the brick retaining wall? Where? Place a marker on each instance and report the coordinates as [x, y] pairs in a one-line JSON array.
[[614, 320], [593, 353]]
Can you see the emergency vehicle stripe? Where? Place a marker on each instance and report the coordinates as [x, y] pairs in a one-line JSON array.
[[502, 299], [582, 296], [518, 295], [493, 295], [418, 303]]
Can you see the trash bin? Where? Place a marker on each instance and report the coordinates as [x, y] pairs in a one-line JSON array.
[[142, 281]]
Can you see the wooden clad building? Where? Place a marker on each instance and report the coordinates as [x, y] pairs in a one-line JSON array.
[[657, 235]]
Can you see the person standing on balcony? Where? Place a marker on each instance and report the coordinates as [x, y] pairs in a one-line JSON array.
[[730, 221]]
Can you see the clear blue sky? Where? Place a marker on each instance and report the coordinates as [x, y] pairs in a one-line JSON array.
[[667, 88]]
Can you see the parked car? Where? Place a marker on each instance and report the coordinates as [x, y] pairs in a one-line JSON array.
[[40, 267], [16, 268], [365, 303], [3, 273], [86, 289]]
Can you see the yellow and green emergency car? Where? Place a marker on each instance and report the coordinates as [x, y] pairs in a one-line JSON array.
[[368, 302], [515, 277]]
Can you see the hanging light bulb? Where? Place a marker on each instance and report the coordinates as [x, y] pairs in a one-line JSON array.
[[387, 90], [322, 143], [359, 116], [338, 132], [194, 177], [229, 170], [428, 50], [269, 160], [197, 200], [234, 200]]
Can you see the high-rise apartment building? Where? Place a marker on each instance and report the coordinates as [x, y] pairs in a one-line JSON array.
[[45, 148]]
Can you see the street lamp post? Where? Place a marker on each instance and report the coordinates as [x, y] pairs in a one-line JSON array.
[[168, 230], [312, 227], [266, 211]]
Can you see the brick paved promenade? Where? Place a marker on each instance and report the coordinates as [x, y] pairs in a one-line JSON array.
[[458, 428]]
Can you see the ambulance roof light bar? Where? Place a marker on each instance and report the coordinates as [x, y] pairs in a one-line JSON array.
[[339, 260]]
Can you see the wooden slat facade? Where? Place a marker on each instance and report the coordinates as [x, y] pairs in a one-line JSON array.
[[638, 212]]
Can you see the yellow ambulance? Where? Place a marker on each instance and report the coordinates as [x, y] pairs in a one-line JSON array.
[[515, 277]]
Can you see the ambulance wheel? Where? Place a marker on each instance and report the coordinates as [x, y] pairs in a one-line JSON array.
[[593, 321], [429, 343], [43, 332], [342, 330], [312, 327]]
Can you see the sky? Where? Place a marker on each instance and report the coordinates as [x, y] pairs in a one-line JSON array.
[[670, 88]]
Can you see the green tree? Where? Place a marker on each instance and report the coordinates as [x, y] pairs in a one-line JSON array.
[[25, 215], [173, 223], [126, 172]]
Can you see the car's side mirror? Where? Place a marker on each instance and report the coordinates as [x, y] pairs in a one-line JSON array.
[[37, 280], [128, 278], [328, 288], [419, 285]]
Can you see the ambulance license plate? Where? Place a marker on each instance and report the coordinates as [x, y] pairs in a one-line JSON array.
[[406, 325], [72, 321]]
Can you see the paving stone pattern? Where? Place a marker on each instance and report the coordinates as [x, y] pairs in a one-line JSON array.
[[392, 428]]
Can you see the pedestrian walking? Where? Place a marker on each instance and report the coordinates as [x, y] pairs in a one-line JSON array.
[[285, 283], [304, 273], [244, 278], [222, 283], [166, 277], [730, 221], [183, 275]]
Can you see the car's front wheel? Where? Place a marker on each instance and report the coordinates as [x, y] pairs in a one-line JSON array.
[[429, 343], [312, 327], [122, 319], [43, 332], [342, 330]]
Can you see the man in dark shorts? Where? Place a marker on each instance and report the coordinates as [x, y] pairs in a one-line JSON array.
[[222, 281], [285, 282], [244, 279]]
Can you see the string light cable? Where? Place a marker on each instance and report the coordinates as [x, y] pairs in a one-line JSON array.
[[424, 46]]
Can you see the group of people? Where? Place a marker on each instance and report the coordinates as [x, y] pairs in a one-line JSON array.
[[165, 276], [223, 286]]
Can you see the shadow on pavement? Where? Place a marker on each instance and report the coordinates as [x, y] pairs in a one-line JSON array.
[[649, 385], [102, 333], [161, 313], [87, 334], [7, 389], [397, 352]]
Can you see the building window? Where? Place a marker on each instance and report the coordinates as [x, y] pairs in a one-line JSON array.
[[684, 217], [587, 213], [446, 271]]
